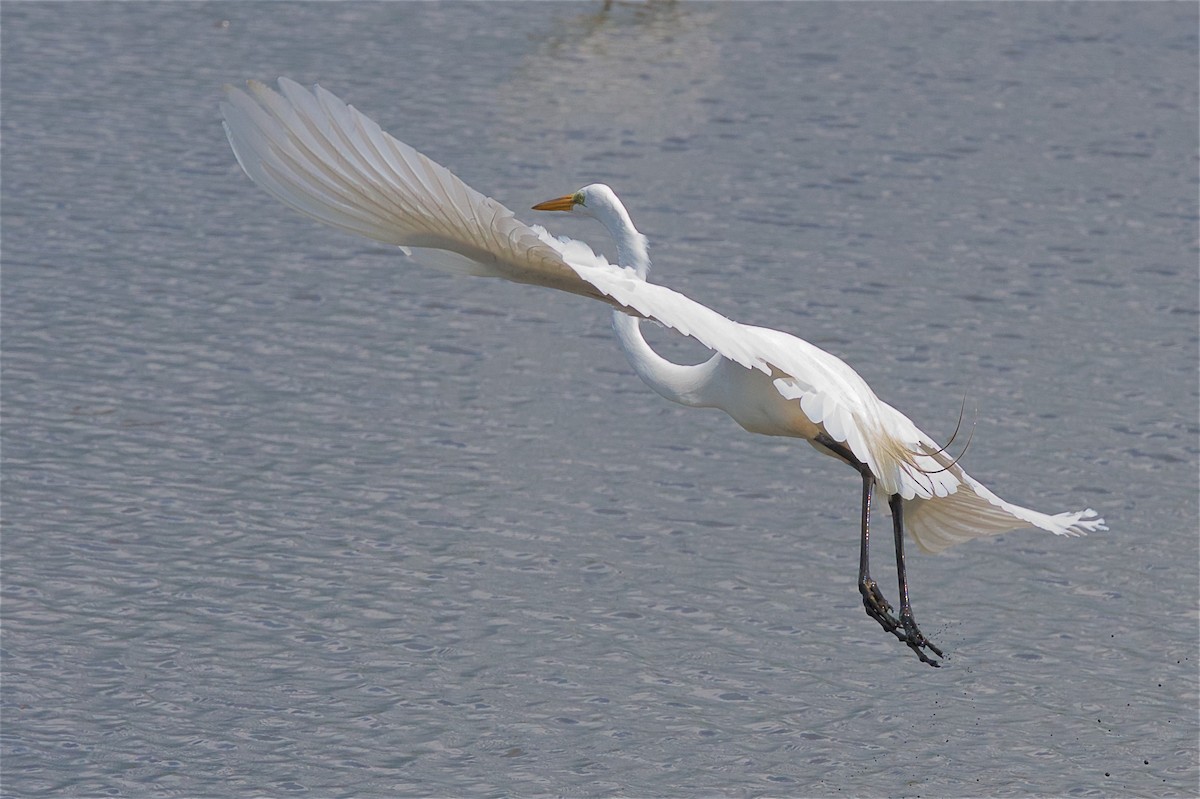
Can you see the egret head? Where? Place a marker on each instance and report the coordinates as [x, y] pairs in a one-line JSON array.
[[600, 203], [594, 200]]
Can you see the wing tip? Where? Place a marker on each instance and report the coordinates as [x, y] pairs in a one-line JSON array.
[[1082, 522]]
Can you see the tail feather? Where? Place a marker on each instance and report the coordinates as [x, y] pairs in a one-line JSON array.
[[972, 511]]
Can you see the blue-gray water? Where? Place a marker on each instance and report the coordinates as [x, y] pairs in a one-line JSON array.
[[283, 517]]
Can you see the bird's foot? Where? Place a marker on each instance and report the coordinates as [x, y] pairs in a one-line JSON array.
[[878, 608], [905, 627], [916, 640]]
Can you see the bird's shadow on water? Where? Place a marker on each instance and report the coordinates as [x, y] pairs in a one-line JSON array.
[[653, 55]]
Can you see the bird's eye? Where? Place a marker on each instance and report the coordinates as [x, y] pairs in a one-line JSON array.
[[578, 199]]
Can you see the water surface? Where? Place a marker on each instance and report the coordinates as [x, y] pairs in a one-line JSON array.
[[283, 517]]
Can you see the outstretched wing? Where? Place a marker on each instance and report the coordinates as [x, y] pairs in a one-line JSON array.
[[325, 159], [944, 505]]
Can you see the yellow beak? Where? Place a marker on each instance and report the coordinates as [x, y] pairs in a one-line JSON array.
[[558, 204]]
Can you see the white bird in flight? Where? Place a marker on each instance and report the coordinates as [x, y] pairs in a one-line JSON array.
[[328, 161]]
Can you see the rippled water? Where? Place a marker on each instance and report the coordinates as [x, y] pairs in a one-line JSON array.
[[282, 517]]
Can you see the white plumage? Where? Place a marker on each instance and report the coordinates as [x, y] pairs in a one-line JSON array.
[[327, 160]]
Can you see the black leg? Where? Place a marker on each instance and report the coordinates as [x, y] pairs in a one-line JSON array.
[[905, 628], [878, 608], [912, 634]]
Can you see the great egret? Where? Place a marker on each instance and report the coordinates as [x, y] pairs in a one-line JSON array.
[[328, 161]]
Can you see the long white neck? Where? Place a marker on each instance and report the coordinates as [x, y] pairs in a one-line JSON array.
[[631, 245], [677, 382]]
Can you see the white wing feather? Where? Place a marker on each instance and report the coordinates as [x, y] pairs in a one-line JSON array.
[[328, 161]]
